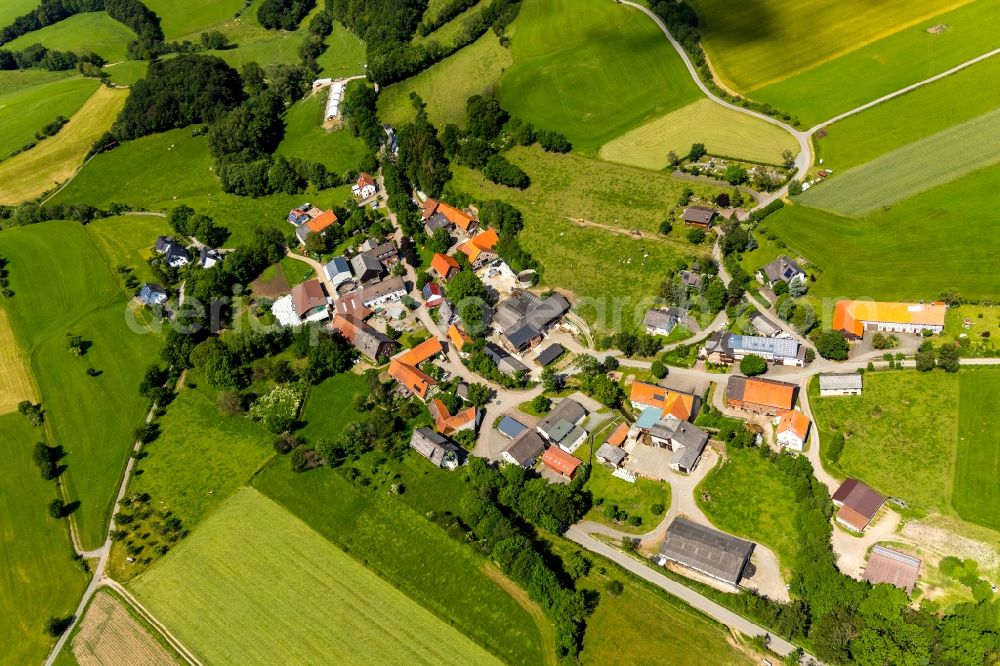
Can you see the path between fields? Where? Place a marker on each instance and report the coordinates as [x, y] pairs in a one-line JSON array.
[[174, 642], [546, 632]]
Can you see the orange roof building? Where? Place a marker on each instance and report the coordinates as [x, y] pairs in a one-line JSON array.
[[426, 350], [444, 265], [412, 379], [484, 242], [457, 337], [617, 438], [448, 423], [793, 429], [851, 318], [458, 217], [319, 223], [559, 461], [672, 403], [763, 396]]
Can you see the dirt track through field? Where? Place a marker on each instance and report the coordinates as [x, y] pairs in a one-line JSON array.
[[15, 377], [546, 632], [109, 635]]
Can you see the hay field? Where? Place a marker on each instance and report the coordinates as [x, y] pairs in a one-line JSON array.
[[236, 594], [26, 110], [447, 33], [55, 160], [109, 635], [724, 132], [15, 377], [90, 31], [188, 18], [914, 168], [754, 44], [976, 492]]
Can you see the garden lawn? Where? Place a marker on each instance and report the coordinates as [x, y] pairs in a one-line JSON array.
[[338, 150], [63, 285], [749, 498], [926, 111], [128, 241], [911, 169], [919, 246], [632, 498], [901, 59], [592, 70], [330, 406], [236, 594], [56, 159], [25, 111], [755, 44], [186, 17], [90, 31], [399, 544], [446, 85], [613, 275], [976, 492], [723, 131], [38, 578]]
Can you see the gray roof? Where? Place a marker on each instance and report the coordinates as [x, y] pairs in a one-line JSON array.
[[840, 381], [690, 278], [366, 266], [383, 251], [303, 232], [763, 325], [511, 427], [568, 410], [755, 344], [680, 433], [698, 214], [512, 309], [687, 456], [781, 268], [612, 454], [549, 354], [706, 550], [521, 337], [336, 266], [152, 294], [524, 308], [526, 447], [383, 288], [495, 352], [437, 221], [432, 446], [663, 319], [509, 365]]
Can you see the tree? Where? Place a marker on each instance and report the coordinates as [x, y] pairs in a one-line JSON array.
[[734, 174], [925, 360], [697, 152], [672, 159], [541, 403], [31, 411], [797, 287], [753, 365], [74, 344], [787, 158], [795, 188], [696, 235], [479, 394], [484, 117], [57, 626], [947, 358], [666, 226], [503, 172], [883, 341], [715, 294], [551, 380], [810, 355], [658, 369], [439, 241], [779, 288], [57, 509], [832, 345], [468, 294]]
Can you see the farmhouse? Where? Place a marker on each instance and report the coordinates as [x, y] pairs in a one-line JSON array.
[[685, 440], [678, 404], [549, 354], [310, 301], [373, 344], [152, 294], [380, 293], [762, 396], [510, 428], [892, 567], [699, 216], [523, 318], [560, 425], [840, 384], [365, 186], [691, 279], [350, 304], [439, 450], [706, 551], [793, 429], [781, 269], [662, 322], [337, 271], [561, 462], [315, 225], [853, 318], [726, 347], [442, 215], [386, 252], [366, 267], [173, 253], [524, 450], [413, 380], [858, 504], [764, 326], [444, 265], [612, 456], [448, 423], [303, 214], [480, 248], [433, 296]]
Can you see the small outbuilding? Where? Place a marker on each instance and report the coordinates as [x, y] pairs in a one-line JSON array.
[[559, 461], [840, 384], [699, 216], [510, 428], [612, 456]]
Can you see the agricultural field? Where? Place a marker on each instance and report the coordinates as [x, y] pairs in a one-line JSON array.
[[926, 111], [258, 44], [911, 169], [391, 536], [748, 497], [15, 80], [90, 31], [977, 469], [445, 86], [63, 284], [354, 615], [25, 111], [110, 632], [330, 407], [127, 240], [15, 377], [624, 271], [592, 70], [901, 59], [56, 159], [126, 73], [38, 578], [187, 18], [338, 150], [898, 241], [723, 131], [344, 56]]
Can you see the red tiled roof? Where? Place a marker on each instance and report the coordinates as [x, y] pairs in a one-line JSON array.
[[446, 422], [558, 460], [458, 338], [321, 221], [427, 349], [796, 422], [306, 296], [413, 379], [443, 265], [618, 436]]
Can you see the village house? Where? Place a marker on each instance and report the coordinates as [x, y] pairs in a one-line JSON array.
[[365, 187], [662, 322], [448, 423], [524, 450], [302, 214], [707, 551], [458, 338], [761, 396], [853, 318], [315, 225], [152, 294], [385, 252], [840, 384], [174, 254], [686, 440], [764, 326], [523, 318], [444, 266], [889, 566], [560, 426], [560, 462], [433, 296], [510, 427], [664, 402], [372, 344], [366, 267], [439, 215], [207, 257], [380, 293], [793, 430], [699, 216], [480, 249], [349, 304], [781, 269], [337, 271], [691, 279], [405, 368], [857, 504], [726, 347], [310, 301], [436, 448]]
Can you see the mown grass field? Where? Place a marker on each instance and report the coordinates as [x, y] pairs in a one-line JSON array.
[[128, 72], [63, 284], [111, 633], [752, 45], [392, 537], [54, 160], [919, 246], [724, 132], [127, 240], [38, 577], [25, 111], [338, 150], [898, 60], [592, 70], [445, 86], [11, 9], [15, 80], [977, 470], [345, 54], [330, 406], [748, 497], [257, 44], [613, 274], [926, 111], [90, 31], [352, 615], [16, 383], [914, 168], [181, 18]]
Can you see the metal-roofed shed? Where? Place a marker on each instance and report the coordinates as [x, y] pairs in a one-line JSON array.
[[706, 551]]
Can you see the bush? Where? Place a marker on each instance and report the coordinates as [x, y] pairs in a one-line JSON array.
[[696, 236], [503, 172], [657, 509], [753, 365], [835, 447], [658, 369], [614, 587], [666, 227], [635, 521], [832, 345], [541, 403], [277, 410]]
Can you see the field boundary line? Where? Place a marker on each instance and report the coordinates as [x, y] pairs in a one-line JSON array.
[[174, 642], [545, 629]]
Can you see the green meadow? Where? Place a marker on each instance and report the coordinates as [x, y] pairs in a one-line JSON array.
[[187, 18], [338, 150], [15, 80], [127, 240], [636, 499], [11, 9], [91, 31], [454, 28], [977, 469], [344, 55], [330, 407], [26, 110], [126, 73]]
